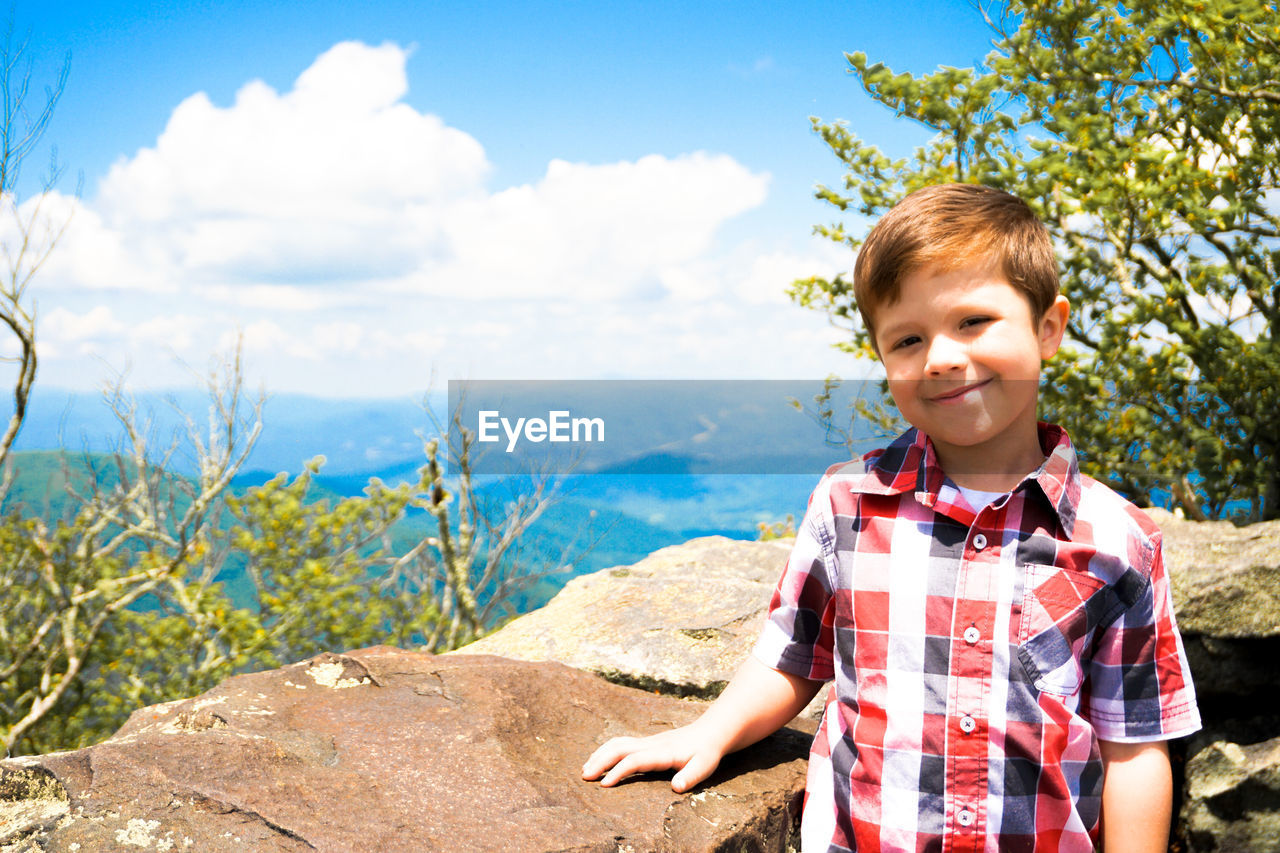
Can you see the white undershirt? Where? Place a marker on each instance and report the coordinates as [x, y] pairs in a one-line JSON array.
[[978, 498]]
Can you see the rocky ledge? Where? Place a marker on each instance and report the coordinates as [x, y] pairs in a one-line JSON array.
[[683, 619], [387, 750], [383, 749]]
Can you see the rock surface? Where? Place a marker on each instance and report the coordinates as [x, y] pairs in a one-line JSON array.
[[383, 749], [1233, 796], [1226, 584], [1226, 579], [680, 621]]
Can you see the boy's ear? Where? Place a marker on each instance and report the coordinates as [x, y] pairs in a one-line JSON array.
[[1053, 325]]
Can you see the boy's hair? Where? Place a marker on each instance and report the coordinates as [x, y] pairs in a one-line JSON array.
[[950, 225]]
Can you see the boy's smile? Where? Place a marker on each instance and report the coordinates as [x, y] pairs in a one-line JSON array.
[[963, 354]]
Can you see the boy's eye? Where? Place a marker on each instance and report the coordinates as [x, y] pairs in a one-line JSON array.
[[903, 343], [970, 322]]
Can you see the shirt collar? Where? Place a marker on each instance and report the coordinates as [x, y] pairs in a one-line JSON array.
[[910, 464]]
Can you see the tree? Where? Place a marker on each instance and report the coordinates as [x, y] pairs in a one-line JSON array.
[[325, 573], [133, 530], [1146, 135], [35, 235], [476, 563], [119, 601]]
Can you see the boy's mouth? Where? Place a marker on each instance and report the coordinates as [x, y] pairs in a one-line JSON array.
[[952, 395]]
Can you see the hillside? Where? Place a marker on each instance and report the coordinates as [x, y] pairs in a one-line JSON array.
[[598, 521]]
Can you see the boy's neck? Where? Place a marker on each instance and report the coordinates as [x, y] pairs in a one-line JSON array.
[[990, 469]]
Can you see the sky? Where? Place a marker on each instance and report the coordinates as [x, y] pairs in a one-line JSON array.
[[376, 198]]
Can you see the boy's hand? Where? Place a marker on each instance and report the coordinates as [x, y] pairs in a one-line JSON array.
[[686, 749], [756, 703]]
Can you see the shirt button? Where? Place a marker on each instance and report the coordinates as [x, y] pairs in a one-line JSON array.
[[979, 542], [964, 817], [972, 635], [968, 724]]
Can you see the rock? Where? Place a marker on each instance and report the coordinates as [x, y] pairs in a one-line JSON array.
[[1233, 798], [680, 621], [383, 749], [1226, 579], [1226, 590], [1226, 587]]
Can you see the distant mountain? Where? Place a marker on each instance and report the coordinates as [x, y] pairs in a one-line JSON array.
[[357, 437], [658, 426], [597, 522], [660, 481]]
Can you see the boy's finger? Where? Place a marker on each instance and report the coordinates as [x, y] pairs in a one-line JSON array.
[[700, 766], [606, 756], [637, 762]]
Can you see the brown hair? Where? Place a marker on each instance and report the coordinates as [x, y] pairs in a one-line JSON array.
[[950, 225]]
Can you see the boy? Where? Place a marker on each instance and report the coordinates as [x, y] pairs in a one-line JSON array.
[[998, 626]]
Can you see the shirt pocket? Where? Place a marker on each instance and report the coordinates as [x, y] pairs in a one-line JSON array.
[[1061, 608]]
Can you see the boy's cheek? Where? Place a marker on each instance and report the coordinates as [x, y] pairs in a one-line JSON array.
[[901, 390]]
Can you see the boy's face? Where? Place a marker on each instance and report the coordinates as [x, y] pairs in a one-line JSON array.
[[962, 353]]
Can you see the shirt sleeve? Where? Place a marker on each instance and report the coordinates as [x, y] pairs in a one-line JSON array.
[[1140, 685], [797, 637]]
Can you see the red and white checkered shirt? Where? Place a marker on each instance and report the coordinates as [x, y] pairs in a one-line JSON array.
[[978, 654]]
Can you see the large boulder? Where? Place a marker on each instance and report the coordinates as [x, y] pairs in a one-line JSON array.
[[386, 749], [679, 621], [1226, 586], [682, 619], [1233, 798], [383, 749], [1226, 579]]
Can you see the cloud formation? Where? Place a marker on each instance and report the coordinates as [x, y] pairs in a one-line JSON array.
[[338, 181], [334, 220]]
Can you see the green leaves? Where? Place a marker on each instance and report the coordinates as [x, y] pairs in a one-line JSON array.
[[80, 650], [1147, 137]]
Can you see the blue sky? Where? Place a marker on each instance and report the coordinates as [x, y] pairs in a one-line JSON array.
[[383, 196]]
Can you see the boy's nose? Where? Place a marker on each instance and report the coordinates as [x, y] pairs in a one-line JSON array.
[[945, 355]]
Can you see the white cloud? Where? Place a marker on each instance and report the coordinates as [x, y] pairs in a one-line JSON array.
[[417, 343], [281, 297], [63, 332], [341, 336], [312, 185], [268, 338], [340, 190], [353, 243], [339, 147], [770, 274], [66, 326], [592, 232], [174, 333]]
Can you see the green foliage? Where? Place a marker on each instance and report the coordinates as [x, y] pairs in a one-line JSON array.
[[309, 562], [110, 584], [785, 529], [1147, 137], [116, 606]]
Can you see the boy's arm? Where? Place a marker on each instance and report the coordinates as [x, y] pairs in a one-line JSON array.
[[757, 702], [1137, 797]]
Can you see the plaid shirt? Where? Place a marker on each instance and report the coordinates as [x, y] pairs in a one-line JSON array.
[[978, 654]]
